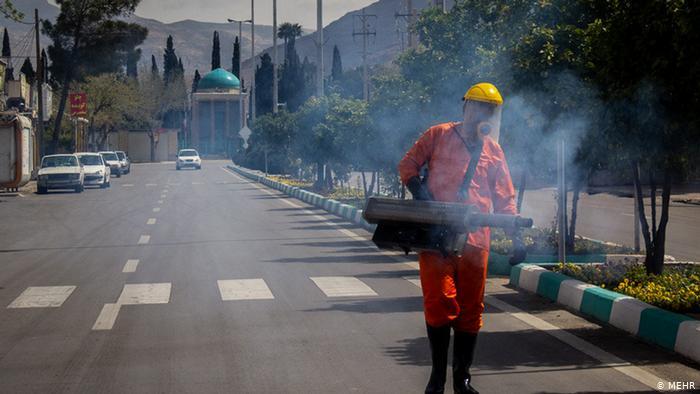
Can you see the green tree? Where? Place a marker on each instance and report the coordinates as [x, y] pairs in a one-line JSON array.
[[235, 60], [289, 32], [28, 70], [337, 68], [195, 80], [111, 101], [215, 52], [8, 10], [85, 38], [154, 66], [263, 85], [171, 68], [7, 53], [270, 144]]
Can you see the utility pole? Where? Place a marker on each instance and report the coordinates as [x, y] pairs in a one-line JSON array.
[[365, 32], [252, 57], [561, 212], [319, 50], [409, 18], [39, 84], [241, 111], [275, 98]]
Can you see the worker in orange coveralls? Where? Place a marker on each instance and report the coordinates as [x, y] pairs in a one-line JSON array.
[[453, 286]]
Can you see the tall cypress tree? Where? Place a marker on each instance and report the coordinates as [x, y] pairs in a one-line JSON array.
[[154, 66], [263, 85], [180, 67], [195, 81], [7, 52], [170, 61], [132, 60], [235, 66], [28, 70], [216, 52], [337, 69]]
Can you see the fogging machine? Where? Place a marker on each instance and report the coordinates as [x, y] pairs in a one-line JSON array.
[[443, 227]]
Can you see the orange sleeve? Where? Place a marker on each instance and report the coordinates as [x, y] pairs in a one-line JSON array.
[[503, 192], [417, 156]]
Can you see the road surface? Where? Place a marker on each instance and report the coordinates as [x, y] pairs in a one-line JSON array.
[[204, 282]]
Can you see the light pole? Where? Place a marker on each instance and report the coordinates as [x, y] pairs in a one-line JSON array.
[[252, 57], [275, 98], [240, 68]]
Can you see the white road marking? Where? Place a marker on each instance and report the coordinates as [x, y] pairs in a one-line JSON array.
[[131, 265], [163, 195], [144, 239], [156, 209], [128, 185], [21, 195], [244, 289], [197, 183], [145, 294], [173, 184], [151, 184], [609, 360], [414, 279], [151, 221], [160, 201], [342, 286], [42, 297], [107, 317]]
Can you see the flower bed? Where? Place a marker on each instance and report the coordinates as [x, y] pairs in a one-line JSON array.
[[677, 289], [542, 241]]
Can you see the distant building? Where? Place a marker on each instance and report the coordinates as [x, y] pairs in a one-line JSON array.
[[216, 113]]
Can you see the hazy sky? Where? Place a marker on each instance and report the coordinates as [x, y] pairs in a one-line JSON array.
[[299, 11]]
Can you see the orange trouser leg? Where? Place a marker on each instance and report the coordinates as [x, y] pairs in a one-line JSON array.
[[453, 288]]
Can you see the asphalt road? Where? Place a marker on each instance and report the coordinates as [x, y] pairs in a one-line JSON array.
[[610, 218], [203, 282]]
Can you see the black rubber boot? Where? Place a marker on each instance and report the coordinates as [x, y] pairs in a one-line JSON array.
[[464, 346], [439, 338]]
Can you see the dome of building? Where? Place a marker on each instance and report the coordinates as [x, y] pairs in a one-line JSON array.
[[219, 79]]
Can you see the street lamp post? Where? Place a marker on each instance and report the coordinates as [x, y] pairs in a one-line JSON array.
[[240, 68], [275, 98], [252, 57]]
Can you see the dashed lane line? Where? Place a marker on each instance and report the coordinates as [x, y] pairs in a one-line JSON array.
[[128, 185], [151, 221], [144, 239], [156, 209], [579, 344], [132, 294], [42, 297], [131, 265], [160, 201], [244, 289]]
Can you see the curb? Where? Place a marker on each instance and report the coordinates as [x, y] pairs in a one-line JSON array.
[[343, 210], [672, 331]]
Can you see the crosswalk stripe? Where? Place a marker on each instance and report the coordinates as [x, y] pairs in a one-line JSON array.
[[145, 293], [342, 286], [413, 279], [156, 209], [144, 239], [130, 265], [42, 297], [244, 289]]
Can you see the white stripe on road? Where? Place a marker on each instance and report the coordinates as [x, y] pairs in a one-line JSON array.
[[107, 317], [414, 279], [197, 183], [128, 185], [151, 184], [609, 360], [131, 265], [157, 209], [160, 201], [342, 286], [162, 196], [145, 294], [244, 289], [151, 221], [144, 239], [42, 297]]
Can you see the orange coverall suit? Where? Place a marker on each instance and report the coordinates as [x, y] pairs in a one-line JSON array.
[[453, 287]]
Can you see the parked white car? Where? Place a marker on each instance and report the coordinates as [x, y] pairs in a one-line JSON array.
[[125, 161], [97, 172], [188, 158], [60, 172], [113, 162]]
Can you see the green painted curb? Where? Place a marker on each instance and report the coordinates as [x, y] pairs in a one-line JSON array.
[[598, 302], [515, 275], [548, 285], [660, 327]]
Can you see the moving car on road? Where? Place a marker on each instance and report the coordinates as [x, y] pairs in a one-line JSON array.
[[112, 161], [60, 172], [97, 172], [124, 161], [188, 158]]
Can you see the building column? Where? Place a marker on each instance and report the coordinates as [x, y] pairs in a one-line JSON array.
[[212, 127], [194, 125]]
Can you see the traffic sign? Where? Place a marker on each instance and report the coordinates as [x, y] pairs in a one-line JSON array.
[[78, 104]]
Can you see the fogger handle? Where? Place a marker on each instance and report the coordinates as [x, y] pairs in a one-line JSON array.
[[498, 220]]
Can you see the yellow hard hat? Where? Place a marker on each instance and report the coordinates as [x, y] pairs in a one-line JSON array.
[[484, 92]]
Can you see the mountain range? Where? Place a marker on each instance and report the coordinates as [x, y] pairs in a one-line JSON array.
[[193, 39]]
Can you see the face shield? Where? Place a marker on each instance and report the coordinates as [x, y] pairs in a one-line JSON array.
[[484, 118]]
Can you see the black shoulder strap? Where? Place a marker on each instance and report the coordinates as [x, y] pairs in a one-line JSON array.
[[475, 154]]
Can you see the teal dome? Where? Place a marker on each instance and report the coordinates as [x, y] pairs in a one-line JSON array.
[[219, 79]]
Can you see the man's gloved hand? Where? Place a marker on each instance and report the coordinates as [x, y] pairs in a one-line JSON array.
[[418, 190], [519, 250]]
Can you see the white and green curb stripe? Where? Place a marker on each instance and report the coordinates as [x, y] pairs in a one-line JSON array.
[[670, 330], [336, 207]]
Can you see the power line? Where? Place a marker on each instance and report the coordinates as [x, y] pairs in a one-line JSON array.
[[365, 31]]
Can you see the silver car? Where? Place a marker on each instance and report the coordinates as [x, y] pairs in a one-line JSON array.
[[112, 161], [60, 172], [124, 161]]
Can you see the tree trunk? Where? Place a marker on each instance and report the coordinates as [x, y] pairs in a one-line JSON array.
[[364, 185], [652, 197], [329, 179], [650, 262], [521, 189], [657, 265]]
